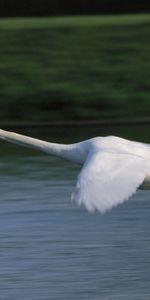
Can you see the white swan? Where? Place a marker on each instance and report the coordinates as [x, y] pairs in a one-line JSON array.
[[113, 167]]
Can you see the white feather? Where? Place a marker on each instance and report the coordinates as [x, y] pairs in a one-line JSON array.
[[108, 179]]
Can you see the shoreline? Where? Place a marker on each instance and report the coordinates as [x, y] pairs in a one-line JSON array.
[[74, 123]]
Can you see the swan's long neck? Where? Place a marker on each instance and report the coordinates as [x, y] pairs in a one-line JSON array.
[[74, 152]]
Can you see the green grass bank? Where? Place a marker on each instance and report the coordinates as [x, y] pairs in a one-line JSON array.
[[74, 68]]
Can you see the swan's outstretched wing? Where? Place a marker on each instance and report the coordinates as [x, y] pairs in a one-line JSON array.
[[108, 179]]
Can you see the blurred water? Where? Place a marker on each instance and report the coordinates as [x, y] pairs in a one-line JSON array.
[[50, 249]]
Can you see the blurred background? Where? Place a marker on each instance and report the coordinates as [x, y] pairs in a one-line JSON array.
[[74, 61]]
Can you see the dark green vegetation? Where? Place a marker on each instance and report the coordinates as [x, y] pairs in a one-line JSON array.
[[74, 68]]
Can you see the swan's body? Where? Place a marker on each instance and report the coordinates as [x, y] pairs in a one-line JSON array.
[[113, 168]]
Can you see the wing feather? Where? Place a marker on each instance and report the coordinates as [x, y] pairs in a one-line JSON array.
[[108, 179]]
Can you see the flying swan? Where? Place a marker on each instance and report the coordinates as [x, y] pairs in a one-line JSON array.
[[113, 167]]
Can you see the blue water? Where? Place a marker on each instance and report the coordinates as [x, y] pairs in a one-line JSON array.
[[51, 249]]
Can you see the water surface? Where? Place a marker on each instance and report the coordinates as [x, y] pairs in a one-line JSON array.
[[51, 249]]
